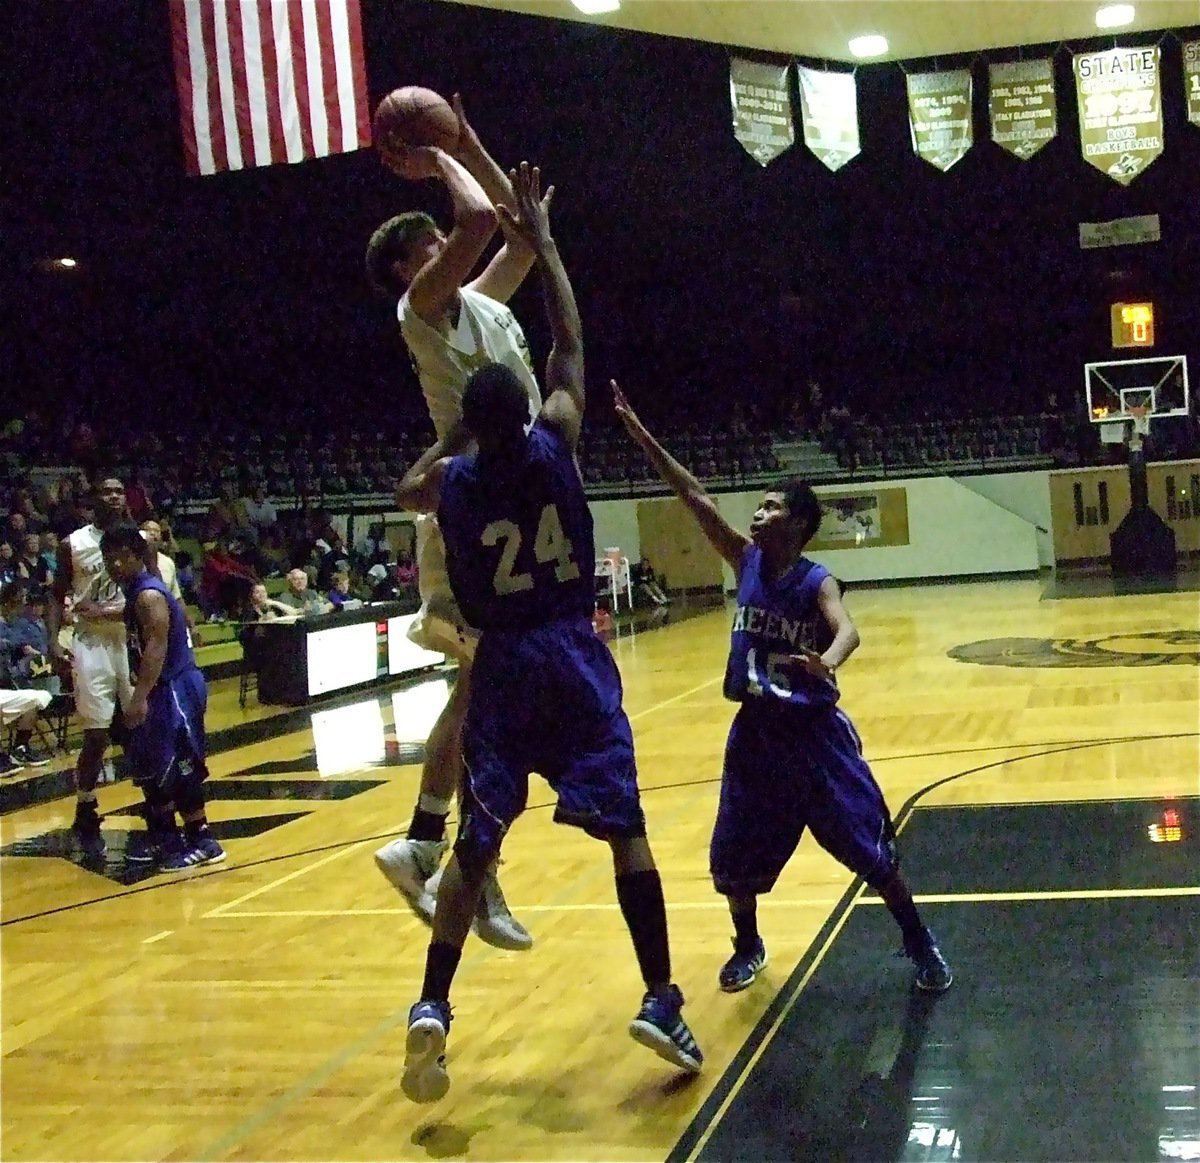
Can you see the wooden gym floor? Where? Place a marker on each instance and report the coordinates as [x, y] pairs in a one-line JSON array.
[[1033, 751]]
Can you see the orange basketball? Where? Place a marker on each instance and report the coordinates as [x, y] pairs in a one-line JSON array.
[[414, 116]]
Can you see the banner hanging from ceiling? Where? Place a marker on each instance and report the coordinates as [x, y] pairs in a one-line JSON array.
[[1191, 79], [1120, 110], [939, 116], [762, 108], [1022, 107], [829, 110]]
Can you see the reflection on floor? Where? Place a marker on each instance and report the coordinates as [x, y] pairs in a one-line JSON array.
[[1075, 1036]]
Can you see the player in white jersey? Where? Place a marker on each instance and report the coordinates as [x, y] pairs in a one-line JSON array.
[[99, 660], [451, 326]]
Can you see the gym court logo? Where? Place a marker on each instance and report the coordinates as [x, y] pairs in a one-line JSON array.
[[1150, 648]]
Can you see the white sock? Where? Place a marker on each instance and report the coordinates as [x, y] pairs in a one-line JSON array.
[[433, 805]]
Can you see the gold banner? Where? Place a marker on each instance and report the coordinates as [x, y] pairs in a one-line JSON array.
[[762, 108], [1191, 79], [939, 116], [862, 520], [1021, 103], [829, 108], [1120, 110]]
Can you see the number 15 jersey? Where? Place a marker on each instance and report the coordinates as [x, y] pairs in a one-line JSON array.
[[520, 551], [776, 619]]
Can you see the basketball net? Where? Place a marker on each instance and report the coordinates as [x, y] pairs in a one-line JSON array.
[[1141, 425]]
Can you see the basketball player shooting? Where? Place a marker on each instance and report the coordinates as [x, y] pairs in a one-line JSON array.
[[452, 324]]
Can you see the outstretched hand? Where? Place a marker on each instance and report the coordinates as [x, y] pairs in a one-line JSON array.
[[531, 222], [626, 414]]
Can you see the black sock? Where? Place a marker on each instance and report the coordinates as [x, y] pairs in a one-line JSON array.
[[745, 926], [159, 819], [194, 829], [640, 895], [900, 904], [22, 738], [441, 964], [427, 826]]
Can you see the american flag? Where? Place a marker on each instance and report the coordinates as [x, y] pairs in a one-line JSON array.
[[267, 81]]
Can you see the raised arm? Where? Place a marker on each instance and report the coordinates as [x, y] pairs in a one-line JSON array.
[[565, 394], [723, 537], [435, 286], [514, 260]]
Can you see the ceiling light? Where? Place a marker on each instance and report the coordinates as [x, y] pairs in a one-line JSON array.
[[1114, 15], [873, 45], [596, 7], [67, 263]]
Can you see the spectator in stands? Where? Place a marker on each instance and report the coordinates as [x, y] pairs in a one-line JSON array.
[[224, 582], [31, 643], [159, 537], [15, 529], [8, 563], [339, 592], [66, 512], [137, 496], [225, 516], [260, 511], [372, 549], [30, 564], [48, 544], [263, 608], [383, 584], [299, 597], [333, 560], [17, 701]]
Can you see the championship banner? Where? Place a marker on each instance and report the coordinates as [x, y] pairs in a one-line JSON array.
[[939, 115], [1021, 103], [1191, 79], [1120, 110], [829, 108], [762, 108]]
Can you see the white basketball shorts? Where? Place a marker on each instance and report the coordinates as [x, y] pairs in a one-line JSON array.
[[439, 624], [101, 669]]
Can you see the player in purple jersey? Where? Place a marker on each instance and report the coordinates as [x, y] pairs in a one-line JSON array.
[[164, 719], [545, 693], [793, 759]]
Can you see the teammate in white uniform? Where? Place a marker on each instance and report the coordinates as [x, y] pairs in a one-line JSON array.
[[99, 661], [451, 327]]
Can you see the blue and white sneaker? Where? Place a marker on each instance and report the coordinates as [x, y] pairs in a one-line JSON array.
[[660, 1027], [741, 969], [195, 853], [934, 974], [425, 1079]]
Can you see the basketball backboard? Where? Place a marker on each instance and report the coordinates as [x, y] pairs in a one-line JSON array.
[[1119, 387]]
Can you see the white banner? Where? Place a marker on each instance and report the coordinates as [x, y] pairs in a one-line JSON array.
[[1120, 110], [1021, 103], [829, 107], [762, 108], [939, 116], [1191, 79], [1120, 232]]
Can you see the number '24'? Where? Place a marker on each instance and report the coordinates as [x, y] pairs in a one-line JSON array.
[[550, 543]]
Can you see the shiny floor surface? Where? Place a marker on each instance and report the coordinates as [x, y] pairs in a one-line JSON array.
[[1042, 758]]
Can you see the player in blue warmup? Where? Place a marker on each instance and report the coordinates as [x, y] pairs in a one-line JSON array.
[[164, 718], [793, 759], [545, 694]]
